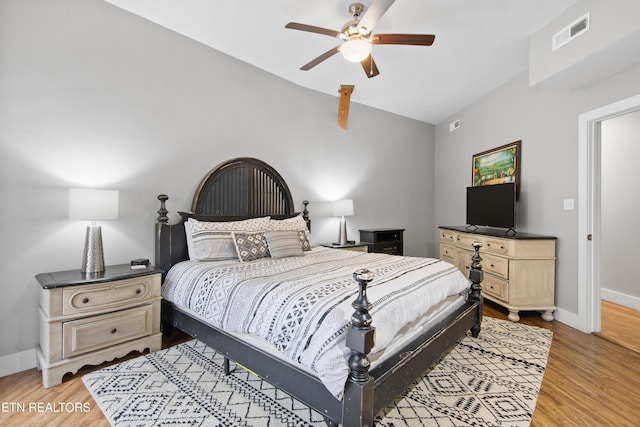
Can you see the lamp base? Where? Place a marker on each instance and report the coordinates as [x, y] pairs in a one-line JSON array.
[[93, 256], [342, 236]]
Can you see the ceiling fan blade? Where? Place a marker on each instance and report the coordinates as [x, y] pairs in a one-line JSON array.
[[312, 29], [319, 59], [369, 66], [374, 13], [409, 39]]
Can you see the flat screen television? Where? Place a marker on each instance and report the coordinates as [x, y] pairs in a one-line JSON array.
[[492, 205]]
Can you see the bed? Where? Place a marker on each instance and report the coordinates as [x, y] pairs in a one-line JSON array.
[[371, 324]]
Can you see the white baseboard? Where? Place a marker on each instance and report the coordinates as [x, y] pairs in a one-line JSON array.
[[17, 362], [569, 318], [620, 298]]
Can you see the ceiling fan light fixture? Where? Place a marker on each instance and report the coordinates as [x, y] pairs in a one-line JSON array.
[[355, 50]]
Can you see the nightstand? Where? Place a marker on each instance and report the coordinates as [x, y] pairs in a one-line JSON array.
[[383, 240], [359, 247], [87, 319]]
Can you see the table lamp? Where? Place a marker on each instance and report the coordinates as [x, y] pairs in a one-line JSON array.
[[93, 205], [343, 208]]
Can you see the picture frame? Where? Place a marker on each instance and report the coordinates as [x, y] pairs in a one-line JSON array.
[[497, 166]]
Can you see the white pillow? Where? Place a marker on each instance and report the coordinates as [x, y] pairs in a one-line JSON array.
[[212, 241]]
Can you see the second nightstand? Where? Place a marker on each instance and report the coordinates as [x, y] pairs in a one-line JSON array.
[[87, 319], [383, 240]]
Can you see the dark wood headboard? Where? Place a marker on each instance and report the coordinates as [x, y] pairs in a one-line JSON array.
[[237, 189]]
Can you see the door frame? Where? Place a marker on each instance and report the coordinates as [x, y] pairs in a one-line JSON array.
[[589, 178]]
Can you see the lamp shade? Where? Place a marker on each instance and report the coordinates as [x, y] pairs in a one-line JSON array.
[[91, 204], [355, 50], [343, 207]]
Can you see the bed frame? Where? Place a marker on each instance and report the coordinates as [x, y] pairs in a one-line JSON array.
[[244, 188]]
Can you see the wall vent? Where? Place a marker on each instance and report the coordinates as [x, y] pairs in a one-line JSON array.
[[571, 31], [454, 125]]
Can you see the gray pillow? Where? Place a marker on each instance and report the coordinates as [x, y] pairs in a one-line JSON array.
[[284, 243]]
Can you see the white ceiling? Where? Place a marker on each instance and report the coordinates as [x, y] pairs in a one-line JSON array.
[[479, 45]]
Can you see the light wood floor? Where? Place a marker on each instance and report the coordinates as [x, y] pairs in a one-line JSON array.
[[589, 381], [621, 325]]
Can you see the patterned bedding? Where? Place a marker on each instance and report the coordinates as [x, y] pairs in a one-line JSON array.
[[302, 305]]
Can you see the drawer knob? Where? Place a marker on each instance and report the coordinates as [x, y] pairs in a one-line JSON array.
[[114, 330], [85, 300], [138, 291]]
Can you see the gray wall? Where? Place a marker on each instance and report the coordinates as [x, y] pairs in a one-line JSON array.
[[620, 204], [546, 120], [91, 95], [611, 44]]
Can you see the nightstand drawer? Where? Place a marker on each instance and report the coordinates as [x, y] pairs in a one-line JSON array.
[[390, 248], [93, 333], [116, 294], [358, 248]]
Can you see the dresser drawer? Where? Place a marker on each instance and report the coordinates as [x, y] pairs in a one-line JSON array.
[[495, 287], [496, 265], [448, 253], [116, 294], [448, 237], [93, 333], [496, 246], [466, 241]]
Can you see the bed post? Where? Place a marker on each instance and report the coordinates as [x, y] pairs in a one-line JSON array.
[[305, 214], [171, 241], [357, 408], [162, 236], [476, 275]]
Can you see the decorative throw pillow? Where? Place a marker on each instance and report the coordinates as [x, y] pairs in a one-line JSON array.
[[251, 246], [212, 241], [296, 223], [304, 241], [284, 243]]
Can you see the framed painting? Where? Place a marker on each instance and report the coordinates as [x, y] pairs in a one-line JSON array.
[[497, 166]]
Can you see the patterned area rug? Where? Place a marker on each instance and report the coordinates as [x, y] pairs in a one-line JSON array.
[[492, 380]]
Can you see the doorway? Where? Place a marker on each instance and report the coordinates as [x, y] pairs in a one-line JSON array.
[[589, 212], [620, 203]]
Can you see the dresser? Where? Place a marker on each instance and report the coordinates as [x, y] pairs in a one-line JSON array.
[[383, 240], [87, 319], [519, 268]]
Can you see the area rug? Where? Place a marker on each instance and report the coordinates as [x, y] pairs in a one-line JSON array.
[[492, 380]]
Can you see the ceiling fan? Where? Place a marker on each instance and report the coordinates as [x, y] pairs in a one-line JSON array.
[[357, 38]]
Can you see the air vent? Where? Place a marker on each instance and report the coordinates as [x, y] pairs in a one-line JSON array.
[[454, 125], [570, 32]]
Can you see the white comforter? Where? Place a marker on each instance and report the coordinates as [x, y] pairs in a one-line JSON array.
[[302, 305]]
